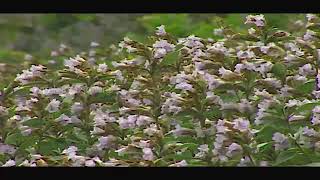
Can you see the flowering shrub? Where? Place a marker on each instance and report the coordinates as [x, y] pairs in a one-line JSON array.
[[245, 100]]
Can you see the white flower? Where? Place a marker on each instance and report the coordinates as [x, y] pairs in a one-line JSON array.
[[182, 163], [28, 57], [241, 124], [306, 70], [281, 141], [162, 48], [218, 32], [128, 122], [233, 149], [64, 119], [184, 86], [3, 111], [143, 120], [309, 35], [70, 152], [147, 154], [97, 130], [90, 163], [311, 17], [245, 54], [191, 41], [309, 132], [296, 118], [161, 31], [226, 74], [72, 63], [94, 44], [105, 142], [9, 163], [52, 91], [53, 106], [251, 31], [95, 90], [258, 20], [102, 68], [77, 107]]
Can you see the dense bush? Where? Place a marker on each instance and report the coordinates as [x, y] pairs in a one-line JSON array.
[[244, 99]]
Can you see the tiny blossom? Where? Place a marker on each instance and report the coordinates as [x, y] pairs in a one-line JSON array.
[[52, 91], [245, 54], [191, 41], [225, 73], [252, 31], [147, 154], [306, 70], [161, 31], [212, 81], [95, 90], [94, 44], [54, 53], [233, 149], [220, 126], [77, 107], [272, 82], [70, 151], [218, 32], [184, 86], [310, 132], [28, 57], [264, 93], [258, 20], [128, 122], [27, 75], [162, 48], [241, 124], [90, 163], [92, 53], [53, 106], [182, 163], [72, 63], [244, 161], [3, 111], [296, 118], [315, 120], [102, 68], [8, 149], [63, 119], [35, 91], [281, 141], [9, 163], [96, 130], [152, 130], [143, 120], [118, 75], [105, 142], [309, 35], [217, 48]]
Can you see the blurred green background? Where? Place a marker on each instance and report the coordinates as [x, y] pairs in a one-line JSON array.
[[39, 34]]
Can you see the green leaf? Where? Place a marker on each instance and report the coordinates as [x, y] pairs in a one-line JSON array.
[[315, 164], [306, 88], [102, 97], [14, 139], [171, 58], [306, 107], [285, 156], [262, 145], [279, 70], [34, 122], [48, 146]]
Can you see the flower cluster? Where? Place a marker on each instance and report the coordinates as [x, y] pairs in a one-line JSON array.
[[243, 100]]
